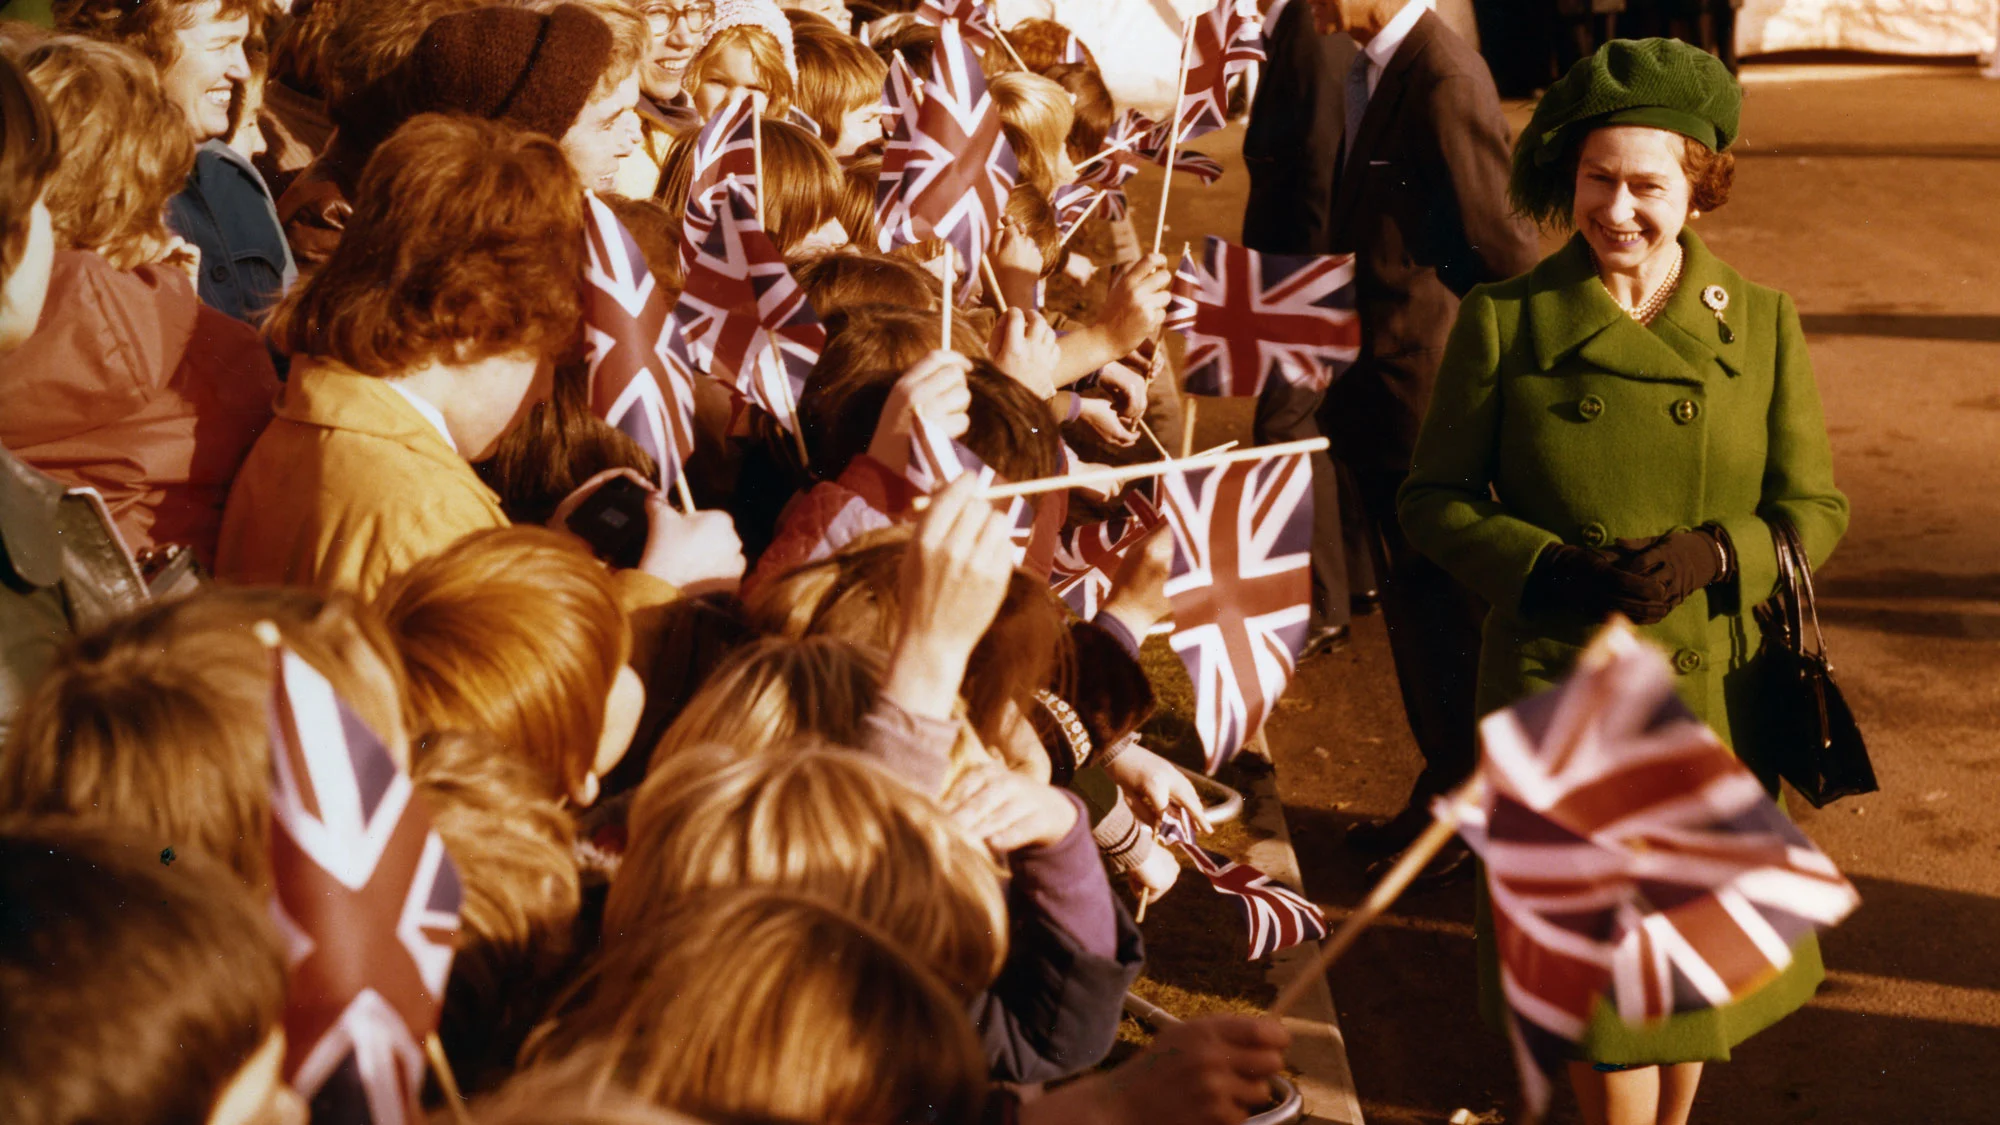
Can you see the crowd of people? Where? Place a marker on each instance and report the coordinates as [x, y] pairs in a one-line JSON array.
[[795, 800], [790, 813]]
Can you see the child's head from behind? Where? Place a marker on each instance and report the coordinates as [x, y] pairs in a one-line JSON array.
[[1036, 115], [517, 635], [775, 690], [135, 986], [160, 721], [751, 1003], [821, 821]]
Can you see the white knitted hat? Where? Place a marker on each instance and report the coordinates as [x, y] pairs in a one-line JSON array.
[[754, 13]]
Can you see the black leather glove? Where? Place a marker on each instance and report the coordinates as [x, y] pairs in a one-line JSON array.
[[1682, 562], [1578, 580]]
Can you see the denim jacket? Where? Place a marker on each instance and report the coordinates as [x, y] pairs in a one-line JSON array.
[[227, 212]]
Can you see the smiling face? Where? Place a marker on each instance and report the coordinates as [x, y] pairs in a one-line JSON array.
[[676, 26], [1632, 194], [732, 69], [209, 65], [606, 132]]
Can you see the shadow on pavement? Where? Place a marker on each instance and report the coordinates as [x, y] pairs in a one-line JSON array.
[[1904, 326]]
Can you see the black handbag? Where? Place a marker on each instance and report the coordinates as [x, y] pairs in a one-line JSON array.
[[1815, 743]]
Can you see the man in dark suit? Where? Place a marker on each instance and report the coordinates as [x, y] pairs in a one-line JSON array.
[[1420, 197], [1291, 149]]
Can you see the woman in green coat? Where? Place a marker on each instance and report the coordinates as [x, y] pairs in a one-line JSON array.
[[1613, 432]]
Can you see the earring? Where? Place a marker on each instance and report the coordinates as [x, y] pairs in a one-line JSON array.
[[1695, 214]]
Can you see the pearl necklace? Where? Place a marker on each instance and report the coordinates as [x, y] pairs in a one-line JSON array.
[[1646, 310]]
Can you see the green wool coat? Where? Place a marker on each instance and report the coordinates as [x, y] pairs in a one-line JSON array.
[[1557, 418]]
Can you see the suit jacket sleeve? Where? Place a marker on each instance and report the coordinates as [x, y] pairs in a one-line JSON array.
[[1798, 471], [1446, 505], [1473, 147]]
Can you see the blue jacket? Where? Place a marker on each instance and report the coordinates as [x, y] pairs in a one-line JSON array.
[[226, 211]]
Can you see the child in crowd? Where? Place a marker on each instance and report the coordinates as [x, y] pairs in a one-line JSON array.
[[858, 867], [136, 985]]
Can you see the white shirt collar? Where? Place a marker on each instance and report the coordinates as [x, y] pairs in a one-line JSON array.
[[1271, 15], [431, 413], [1383, 47]]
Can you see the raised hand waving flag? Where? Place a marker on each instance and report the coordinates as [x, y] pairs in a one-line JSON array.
[[1240, 587], [1630, 857], [1247, 316], [1278, 917], [641, 377], [367, 901], [937, 460], [1087, 558], [901, 95], [958, 168]]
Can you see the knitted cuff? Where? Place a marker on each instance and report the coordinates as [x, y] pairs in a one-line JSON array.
[[1125, 842]]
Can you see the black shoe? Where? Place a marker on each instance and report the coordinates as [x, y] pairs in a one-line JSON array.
[[1389, 835], [1327, 638], [1365, 603], [1452, 864]]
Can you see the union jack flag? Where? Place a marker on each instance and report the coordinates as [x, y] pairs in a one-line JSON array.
[[1631, 856], [936, 460], [1073, 50], [1239, 589], [367, 902], [641, 377], [1123, 152], [725, 151], [980, 28], [745, 317], [1087, 558], [902, 93], [1278, 917], [1153, 145], [1073, 203], [1246, 314], [958, 167], [1227, 40]]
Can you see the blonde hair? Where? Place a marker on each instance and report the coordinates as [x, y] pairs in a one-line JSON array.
[[749, 1003], [561, 1093], [514, 849], [838, 74], [161, 720], [819, 821], [1036, 115], [515, 633], [857, 594], [775, 689], [126, 149], [766, 54]]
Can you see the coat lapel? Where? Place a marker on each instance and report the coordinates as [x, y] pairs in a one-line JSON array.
[[1381, 108], [1572, 313], [1690, 327]]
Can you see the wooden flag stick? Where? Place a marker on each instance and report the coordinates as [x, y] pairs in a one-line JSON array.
[[1173, 136], [1118, 474], [1081, 219], [791, 408], [447, 1082], [1106, 154], [1393, 884], [1011, 52], [1187, 426], [1145, 899], [681, 490], [992, 280], [1223, 448], [757, 154], [950, 272], [1150, 436]]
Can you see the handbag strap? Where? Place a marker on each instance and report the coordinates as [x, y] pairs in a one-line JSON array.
[[1791, 616], [1808, 600]]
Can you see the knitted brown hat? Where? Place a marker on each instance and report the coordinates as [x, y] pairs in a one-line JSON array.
[[509, 64]]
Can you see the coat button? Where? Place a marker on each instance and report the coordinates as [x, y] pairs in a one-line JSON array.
[[1594, 535], [1686, 410], [1687, 661], [1590, 406]]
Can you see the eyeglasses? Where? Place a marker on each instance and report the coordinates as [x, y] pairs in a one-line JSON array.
[[661, 18]]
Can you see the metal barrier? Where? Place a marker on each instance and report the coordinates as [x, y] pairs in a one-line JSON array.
[[1291, 1104]]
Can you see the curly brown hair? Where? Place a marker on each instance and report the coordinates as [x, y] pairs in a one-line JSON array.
[[466, 243], [126, 148], [148, 28]]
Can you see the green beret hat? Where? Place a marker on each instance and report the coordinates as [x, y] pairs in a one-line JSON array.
[[1662, 83]]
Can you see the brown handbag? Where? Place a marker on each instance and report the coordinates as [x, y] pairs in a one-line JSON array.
[[1816, 745]]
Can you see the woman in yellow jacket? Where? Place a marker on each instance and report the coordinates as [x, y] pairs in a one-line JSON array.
[[424, 339]]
